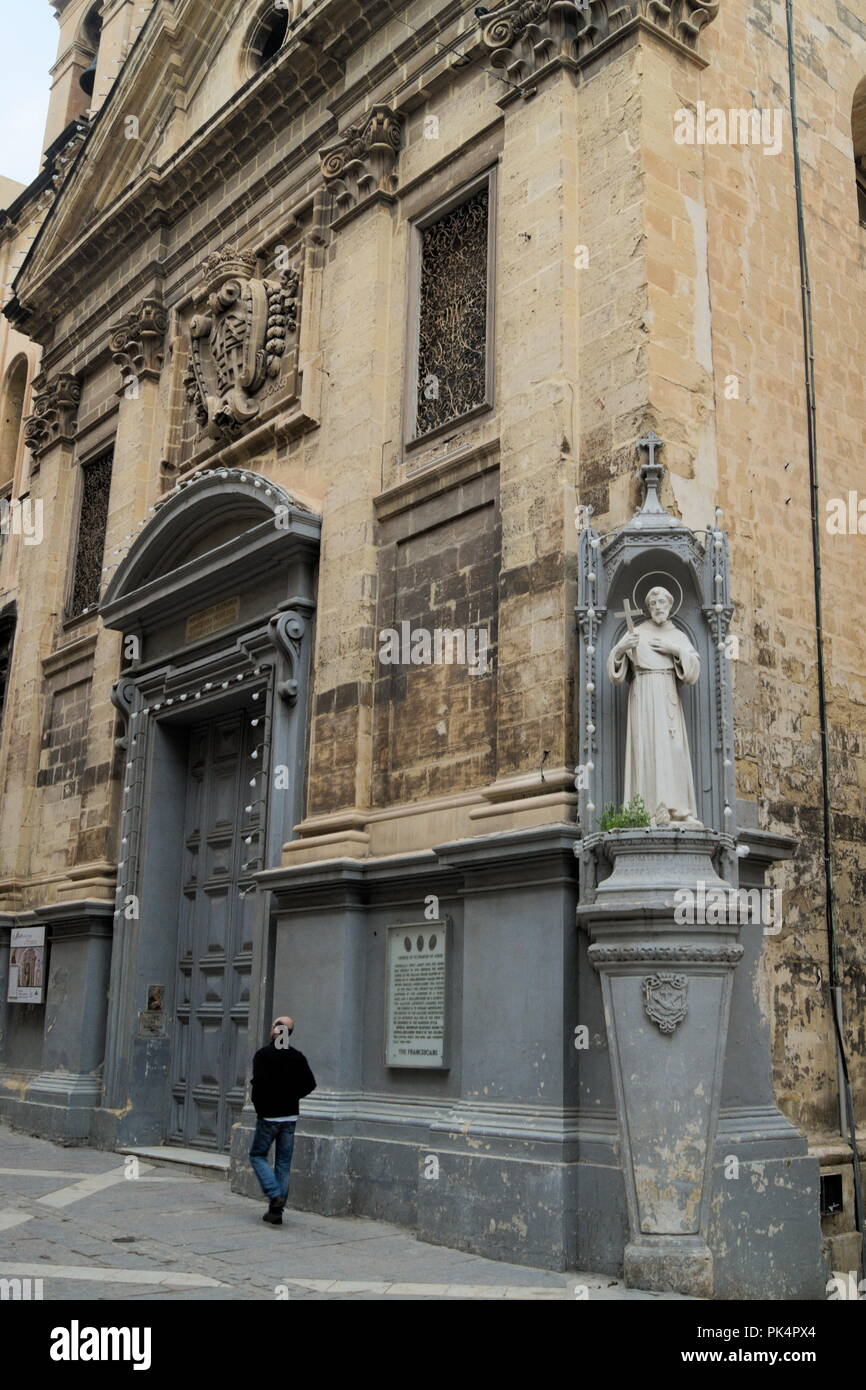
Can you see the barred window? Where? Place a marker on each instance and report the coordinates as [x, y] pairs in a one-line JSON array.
[[92, 526], [453, 367], [858, 132], [7, 637]]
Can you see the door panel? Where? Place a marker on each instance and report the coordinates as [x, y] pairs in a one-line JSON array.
[[215, 937]]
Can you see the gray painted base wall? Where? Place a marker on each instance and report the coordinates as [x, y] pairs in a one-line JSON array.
[[765, 1231], [521, 1124]]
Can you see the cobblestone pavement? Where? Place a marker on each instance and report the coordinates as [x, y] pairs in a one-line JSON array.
[[71, 1217]]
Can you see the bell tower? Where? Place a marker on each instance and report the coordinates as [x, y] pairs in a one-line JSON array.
[[95, 37]]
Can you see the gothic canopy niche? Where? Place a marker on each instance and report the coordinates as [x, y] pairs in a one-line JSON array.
[[524, 37], [227, 537], [617, 572], [238, 340]]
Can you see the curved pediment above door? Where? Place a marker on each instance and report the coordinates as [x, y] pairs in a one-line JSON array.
[[225, 535]]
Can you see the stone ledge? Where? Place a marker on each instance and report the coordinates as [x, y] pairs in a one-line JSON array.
[[197, 1162]]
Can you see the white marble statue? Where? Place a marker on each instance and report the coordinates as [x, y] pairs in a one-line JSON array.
[[658, 767]]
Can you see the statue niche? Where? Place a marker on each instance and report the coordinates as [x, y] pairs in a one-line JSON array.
[[655, 715], [655, 656], [236, 346]]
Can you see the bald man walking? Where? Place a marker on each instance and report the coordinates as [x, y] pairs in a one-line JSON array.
[[280, 1078]]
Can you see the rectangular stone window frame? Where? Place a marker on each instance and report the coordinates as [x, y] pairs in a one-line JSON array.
[[418, 224], [94, 455]]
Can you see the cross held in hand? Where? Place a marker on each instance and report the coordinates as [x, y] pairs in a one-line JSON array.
[[628, 613]]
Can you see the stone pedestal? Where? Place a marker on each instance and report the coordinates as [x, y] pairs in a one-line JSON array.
[[666, 985]]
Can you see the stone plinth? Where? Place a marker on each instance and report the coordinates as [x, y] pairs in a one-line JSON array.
[[666, 988]]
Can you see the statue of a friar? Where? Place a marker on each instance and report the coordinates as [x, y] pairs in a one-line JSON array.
[[658, 767]]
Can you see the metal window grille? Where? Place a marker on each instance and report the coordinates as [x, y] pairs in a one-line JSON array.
[[452, 339], [92, 525]]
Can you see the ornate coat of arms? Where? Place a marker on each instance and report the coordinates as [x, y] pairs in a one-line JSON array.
[[665, 999], [236, 346]]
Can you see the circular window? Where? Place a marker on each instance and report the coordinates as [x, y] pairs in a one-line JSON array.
[[268, 35]]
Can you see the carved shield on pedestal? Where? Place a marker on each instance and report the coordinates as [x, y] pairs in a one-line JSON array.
[[665, 996]]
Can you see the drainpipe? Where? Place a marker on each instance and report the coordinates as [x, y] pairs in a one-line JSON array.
[[846, 1100]]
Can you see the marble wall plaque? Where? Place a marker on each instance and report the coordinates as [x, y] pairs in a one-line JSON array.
[[415, 995]]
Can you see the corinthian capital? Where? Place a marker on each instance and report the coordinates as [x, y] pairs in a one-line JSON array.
[[524, 36], [137, 344], [55, 410], [361, 165]]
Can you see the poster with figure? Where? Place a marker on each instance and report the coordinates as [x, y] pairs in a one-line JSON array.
[[27, 965]]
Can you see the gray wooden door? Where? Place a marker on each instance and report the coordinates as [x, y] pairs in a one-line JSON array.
[[215, 935]]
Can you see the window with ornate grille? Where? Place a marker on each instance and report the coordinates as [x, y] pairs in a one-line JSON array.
[[858, 132], [7, 637], [92, 526], [452, 367]]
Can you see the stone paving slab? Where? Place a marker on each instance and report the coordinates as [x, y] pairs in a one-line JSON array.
[[103, 1237]]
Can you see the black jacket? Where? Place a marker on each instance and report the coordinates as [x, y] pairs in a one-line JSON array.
[[280, 1077]]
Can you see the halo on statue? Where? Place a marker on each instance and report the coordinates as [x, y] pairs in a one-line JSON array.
[[651, 581]]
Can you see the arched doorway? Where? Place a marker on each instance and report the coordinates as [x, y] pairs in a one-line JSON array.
[[215, 602]]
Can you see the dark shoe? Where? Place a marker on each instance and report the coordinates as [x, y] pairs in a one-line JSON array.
[[274, 1213]]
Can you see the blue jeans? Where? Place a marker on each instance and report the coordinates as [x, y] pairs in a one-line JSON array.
[[274, 1182]]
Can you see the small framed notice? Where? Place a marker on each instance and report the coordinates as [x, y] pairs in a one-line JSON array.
[[214, 619], [27, 966], [416, 998]]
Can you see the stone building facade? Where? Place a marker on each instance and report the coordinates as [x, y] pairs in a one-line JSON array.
[[341, 311]]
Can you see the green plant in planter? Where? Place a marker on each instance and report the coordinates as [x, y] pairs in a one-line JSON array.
[[632, 816]]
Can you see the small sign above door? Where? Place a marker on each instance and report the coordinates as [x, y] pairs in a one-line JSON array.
[[214, 619]]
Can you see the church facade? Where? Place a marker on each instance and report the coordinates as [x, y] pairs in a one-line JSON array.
[[351, 336]]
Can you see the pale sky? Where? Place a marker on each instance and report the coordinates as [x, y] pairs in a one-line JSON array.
[[30, 34]]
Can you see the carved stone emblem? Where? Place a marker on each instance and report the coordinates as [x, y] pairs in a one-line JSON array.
[[665, 999], [55, 409], [237, 344]]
